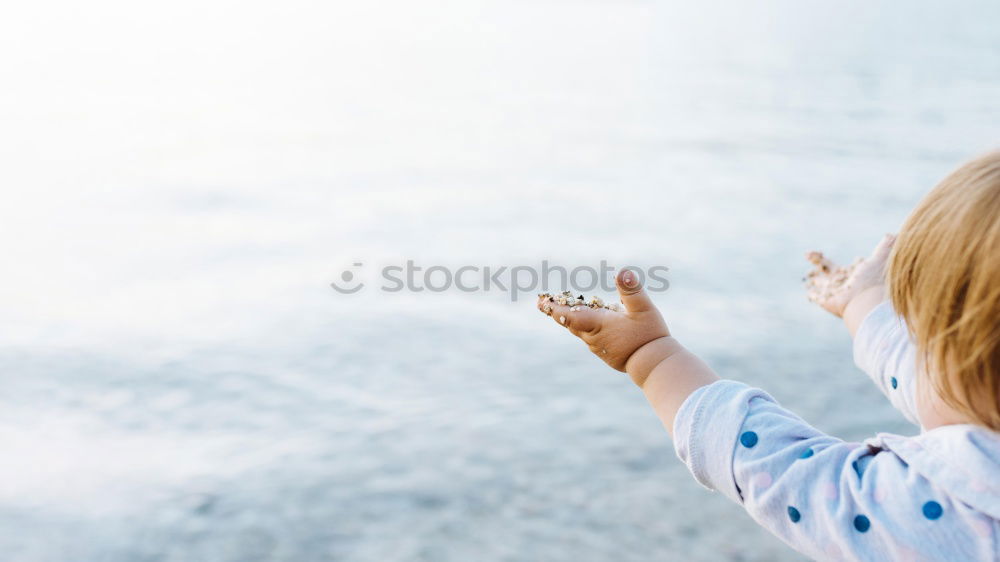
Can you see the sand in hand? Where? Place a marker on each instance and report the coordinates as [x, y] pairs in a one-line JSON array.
[[566, 298], [828, 278]]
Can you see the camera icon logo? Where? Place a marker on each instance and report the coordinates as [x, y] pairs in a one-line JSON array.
[[347, 276]]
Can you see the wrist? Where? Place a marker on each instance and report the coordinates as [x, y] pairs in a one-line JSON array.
[[643, 360], [861, 304]]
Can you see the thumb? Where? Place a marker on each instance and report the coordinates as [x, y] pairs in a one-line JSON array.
[[633, 296], [881, 252]]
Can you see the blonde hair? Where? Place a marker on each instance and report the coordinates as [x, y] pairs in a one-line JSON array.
[[944, 280]]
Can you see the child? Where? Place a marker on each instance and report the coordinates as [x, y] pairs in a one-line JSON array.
[[934, 350]]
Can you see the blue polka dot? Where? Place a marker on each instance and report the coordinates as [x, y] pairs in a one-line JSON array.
[[933, 510], [806, 454], [749, 439], [862, 524], [794, 514], [894, 382]]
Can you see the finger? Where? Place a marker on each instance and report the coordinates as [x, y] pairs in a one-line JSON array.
[[821, 261], [545, 303], [816, 294], [633, 296], [577, 319], [881, 252]]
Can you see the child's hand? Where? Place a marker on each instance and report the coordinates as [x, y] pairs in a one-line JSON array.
[[615, 336], [833, 287]]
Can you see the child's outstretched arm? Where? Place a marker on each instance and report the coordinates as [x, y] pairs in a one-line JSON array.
[[638, 342], [824, 497], [882, 347]]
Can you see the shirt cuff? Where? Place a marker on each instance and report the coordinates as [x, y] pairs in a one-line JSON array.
[[869, 336], [706, 429]]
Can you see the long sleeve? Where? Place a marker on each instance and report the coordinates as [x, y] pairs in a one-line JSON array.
[[883, 350], [826, 498]]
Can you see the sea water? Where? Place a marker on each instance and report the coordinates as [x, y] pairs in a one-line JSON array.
[[182, 183]]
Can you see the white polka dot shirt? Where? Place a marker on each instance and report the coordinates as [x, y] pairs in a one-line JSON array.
[[935, 496]]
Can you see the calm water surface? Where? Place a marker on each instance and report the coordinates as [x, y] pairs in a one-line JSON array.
[[182, 182]]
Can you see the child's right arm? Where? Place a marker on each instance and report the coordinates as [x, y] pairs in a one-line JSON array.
[[883, 350], [882, 347], [850, 293]]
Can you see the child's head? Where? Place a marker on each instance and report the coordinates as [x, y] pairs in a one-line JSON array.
[[944, 280]]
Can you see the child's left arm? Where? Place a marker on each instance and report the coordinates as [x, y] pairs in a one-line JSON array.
[[826, 498], [638, 342]]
